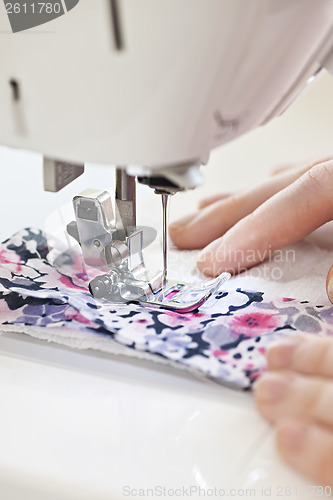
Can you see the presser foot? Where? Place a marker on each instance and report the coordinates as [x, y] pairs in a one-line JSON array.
[[114, 245], [175, 296]]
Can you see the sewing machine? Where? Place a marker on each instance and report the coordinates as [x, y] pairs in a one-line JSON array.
[[150, 86], [154, 85]]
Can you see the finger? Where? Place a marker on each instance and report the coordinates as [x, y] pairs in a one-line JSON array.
[[205, 202], [283, 168], [306, 355], [199, 229], [309, 449], [329, 285], [285, 218], [287, 394], [301, 164]]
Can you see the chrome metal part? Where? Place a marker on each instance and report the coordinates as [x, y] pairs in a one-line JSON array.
[[165, 199], [108, 245], [184, 297], [125, 201], [58, 174], [114, 245]]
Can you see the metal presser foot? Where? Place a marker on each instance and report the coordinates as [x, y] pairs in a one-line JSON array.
[[115, 245], [175, 296]]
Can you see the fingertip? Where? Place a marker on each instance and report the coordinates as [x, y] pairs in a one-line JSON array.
[[180, 224], [179, 233], [207, 268], [210, 261], [280, 352], [208, 271], [266, 389], [329, 284], [291, 436], [175, 234], [205, 202], [183, 239], [307, 447], [194, 231]]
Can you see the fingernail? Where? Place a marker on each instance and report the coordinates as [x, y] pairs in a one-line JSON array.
[[291, 436], [209, 253], [180, 224], [176, 226], [271, 387], [279, 353]]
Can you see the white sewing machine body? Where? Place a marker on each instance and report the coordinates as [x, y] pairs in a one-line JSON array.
[[177, 79]]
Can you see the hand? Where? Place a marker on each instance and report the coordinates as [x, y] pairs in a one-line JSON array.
[[241, 229], [296, 395]]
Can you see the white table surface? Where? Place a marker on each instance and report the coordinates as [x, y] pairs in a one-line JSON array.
[[77, 425]]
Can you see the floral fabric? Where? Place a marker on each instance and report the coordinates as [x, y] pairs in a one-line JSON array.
[[226, 339]]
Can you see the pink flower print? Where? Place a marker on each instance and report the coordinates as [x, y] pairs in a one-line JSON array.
[[73, 266], [10, 260], [255, 323], [6, 314], [219, 352], [67, 282], [141, 321], [73, 314], [191, 320]]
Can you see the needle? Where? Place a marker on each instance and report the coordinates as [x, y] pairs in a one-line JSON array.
[[165, 199]]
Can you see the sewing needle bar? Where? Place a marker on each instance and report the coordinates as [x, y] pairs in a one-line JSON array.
[[165, 199]]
